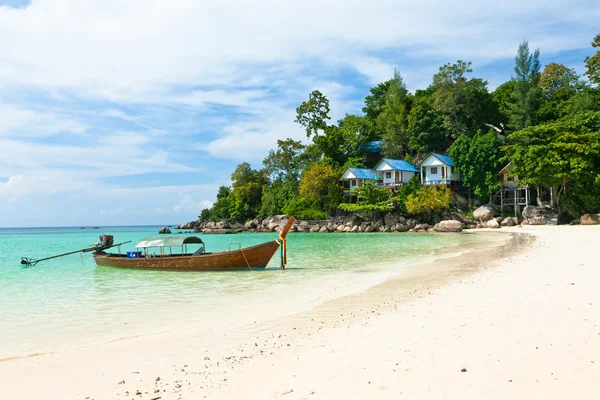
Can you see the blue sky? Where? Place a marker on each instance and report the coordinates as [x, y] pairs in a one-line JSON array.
[[136, 112]]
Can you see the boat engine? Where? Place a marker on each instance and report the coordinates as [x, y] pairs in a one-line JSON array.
[[106, 241]]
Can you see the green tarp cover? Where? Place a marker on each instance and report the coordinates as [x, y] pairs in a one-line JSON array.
[[168, 241]]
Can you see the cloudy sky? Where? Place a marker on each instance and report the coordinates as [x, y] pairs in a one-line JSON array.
[[135, 112]]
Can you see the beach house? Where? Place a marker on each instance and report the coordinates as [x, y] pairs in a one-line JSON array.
[[356, 177], [395, 173], [438, 169]]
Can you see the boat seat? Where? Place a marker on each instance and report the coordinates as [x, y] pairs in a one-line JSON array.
[[199, 251]]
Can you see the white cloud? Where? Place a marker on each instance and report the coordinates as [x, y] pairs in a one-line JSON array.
[[22, 122]]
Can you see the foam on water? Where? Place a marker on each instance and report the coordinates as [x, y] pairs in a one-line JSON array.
[[62, 303]]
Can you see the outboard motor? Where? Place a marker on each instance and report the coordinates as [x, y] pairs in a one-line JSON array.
[[106, 241]]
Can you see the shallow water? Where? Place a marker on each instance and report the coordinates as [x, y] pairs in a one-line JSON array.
[[68, 302]]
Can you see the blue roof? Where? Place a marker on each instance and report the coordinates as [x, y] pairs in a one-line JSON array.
[[444, 158], [364, 173], [400, 165], [375, 146]]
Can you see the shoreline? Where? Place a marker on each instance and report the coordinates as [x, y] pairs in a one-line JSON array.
[[191, 368]]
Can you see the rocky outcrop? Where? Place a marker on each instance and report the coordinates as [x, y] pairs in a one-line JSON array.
[[484, 213], [164, 230], [510, 221], [590, 219], [448, 226], [538, 215], [492, 223]]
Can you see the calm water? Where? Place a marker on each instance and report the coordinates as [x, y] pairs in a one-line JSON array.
[[68, 302]]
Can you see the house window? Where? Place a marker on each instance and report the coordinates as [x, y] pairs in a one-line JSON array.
[[510, 178], [433, 170], [388, 175], [353, 182]]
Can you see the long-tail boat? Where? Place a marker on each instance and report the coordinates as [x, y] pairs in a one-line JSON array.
[[248, 258]]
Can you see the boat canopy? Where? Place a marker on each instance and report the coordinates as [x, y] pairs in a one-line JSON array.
[[169, 241]]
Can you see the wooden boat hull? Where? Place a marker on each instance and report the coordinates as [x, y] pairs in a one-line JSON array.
[[249, 258]]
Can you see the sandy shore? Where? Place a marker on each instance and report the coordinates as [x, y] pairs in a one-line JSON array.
[[520, 321]]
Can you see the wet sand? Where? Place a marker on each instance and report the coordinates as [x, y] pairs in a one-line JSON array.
[[515, 319]]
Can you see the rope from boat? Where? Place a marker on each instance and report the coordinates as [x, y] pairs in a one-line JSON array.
[[283, 250], [245, 259]]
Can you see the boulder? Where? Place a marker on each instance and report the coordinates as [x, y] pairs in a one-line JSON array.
[[458, 199], [369, 229], [355, 228], [448, 226], [391, 220], [492, 223], [421, 227], [538, 215], [402, 228], [590, 219], [347, 229], [340, 228], [354, 221], [386, 229], [164, 230], [377, 224], [484, 213], [499, 219], [250, 225], [324, 229], [315, 228]]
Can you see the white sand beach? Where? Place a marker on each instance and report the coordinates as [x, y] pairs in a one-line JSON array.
[[520, 321]]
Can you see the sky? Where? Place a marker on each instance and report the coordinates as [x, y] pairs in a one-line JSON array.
[[135, 112]]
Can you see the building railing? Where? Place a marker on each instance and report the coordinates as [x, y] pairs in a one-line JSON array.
[[443, 181]]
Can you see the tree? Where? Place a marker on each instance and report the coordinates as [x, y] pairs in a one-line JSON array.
[[313, 114], [393, 119], [204, 214], [321, 187], [558, 84], [429, 201], [220, 210], [371, 198], [593, 63], [426, 132], [559, 154], [286, 160], [465, 103], [477, 160], [246, 193], [526, 95], [375, 102]]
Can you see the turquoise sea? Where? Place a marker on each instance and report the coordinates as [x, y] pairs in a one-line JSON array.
[[69, 302]]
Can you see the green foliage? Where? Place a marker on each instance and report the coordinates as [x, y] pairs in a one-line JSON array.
[[525, 100], [370, 198], [204, 214], [286, 160], [426, 129], [593, 63], [375, 101], [477, 160], [401, 196], [220, 210], [246, 193], [558, 84], [313, 114], [465, 103], [304, 209], [428, 201], [559, 154], [393, 119], [321, 187]]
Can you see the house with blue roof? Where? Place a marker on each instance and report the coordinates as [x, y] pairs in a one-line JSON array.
[[438, 169], [355, 177], [395, 172]]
